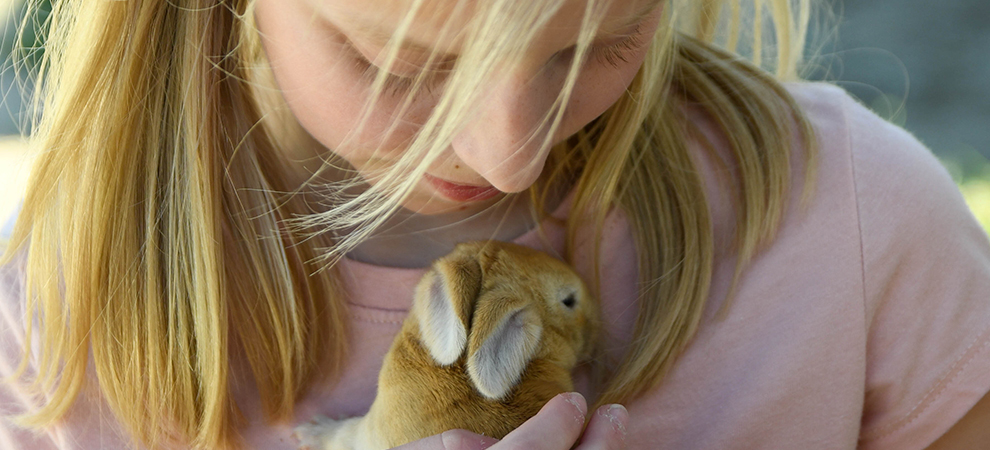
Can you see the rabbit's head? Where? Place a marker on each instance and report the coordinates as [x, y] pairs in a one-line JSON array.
[[506, 305]]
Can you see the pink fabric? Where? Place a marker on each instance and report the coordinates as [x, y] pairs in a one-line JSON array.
[[865, 325]]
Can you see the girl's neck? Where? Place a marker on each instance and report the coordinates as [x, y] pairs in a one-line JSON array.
[[413, 240]]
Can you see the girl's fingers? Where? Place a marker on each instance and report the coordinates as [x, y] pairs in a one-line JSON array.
[[606, 430], [556, 427], [451, 440], [465, 440]]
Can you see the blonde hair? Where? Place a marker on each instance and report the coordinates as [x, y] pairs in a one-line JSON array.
[[157, 243]]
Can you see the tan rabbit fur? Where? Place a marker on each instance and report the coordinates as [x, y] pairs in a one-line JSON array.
[[494, 333]]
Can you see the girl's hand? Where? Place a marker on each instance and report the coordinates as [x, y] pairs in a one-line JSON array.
[[557, 426]]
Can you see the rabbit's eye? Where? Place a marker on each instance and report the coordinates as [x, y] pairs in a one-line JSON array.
[[570, 301]]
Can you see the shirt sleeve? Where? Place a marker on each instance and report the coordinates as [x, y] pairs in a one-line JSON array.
[[926, 272]]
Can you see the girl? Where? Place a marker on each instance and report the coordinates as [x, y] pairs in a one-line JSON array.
[[235, 198]]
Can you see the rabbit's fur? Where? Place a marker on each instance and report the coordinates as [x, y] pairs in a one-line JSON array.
[[525, 320]]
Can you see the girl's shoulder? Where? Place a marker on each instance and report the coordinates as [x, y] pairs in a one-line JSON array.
[[871, 304], [12, 301], [865, 323], [873, 180], [15, 398], [89, 422], [901, 198], [877, 149], [892, 185]]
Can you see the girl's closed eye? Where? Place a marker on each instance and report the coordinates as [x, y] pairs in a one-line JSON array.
[[396, 85], [613, 54]]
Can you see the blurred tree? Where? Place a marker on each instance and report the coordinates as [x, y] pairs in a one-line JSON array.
[[21, 50]]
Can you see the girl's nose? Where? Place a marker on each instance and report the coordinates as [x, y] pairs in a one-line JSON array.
[[504, 142]]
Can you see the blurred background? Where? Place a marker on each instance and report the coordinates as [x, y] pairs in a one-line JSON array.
[[921, 64]]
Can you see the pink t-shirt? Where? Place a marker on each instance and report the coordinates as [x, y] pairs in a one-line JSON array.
[[866, 324]]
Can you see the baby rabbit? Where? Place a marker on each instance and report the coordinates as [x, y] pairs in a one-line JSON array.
[[493, 334]]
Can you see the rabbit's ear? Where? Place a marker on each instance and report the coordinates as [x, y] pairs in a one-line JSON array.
[[498, 362], [444, 300]]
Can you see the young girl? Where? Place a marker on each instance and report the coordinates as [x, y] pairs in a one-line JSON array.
[[234, 198]]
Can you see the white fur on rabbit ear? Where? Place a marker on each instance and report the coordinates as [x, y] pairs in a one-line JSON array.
[[445, 301], [498, 363], [444, 335]]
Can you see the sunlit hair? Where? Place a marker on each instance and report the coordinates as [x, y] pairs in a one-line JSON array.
[[163, 242]]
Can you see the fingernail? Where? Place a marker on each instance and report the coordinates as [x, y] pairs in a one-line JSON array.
[[618, 416], [577, 400]]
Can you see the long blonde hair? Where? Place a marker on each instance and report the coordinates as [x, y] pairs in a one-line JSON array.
[[158, 244]]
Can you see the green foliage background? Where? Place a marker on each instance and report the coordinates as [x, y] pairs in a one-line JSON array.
[[972, 175]]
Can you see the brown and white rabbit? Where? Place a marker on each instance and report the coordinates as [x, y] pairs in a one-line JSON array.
[[494, 332]]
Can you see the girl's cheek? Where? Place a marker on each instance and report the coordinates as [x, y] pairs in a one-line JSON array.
[[598, 87], [326, 92], [328, 100]]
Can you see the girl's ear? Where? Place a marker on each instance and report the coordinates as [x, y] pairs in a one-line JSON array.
[[444, 301], [496, 365]]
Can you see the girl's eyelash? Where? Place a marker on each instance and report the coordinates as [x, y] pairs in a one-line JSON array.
[[396, 85], [614, 54]]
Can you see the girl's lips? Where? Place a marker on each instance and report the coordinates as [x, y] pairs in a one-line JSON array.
[[461, 192]]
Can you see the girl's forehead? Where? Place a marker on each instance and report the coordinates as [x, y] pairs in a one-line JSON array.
[[374, 21]]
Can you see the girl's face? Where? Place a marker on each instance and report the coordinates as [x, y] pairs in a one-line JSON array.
[[322, 52]]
